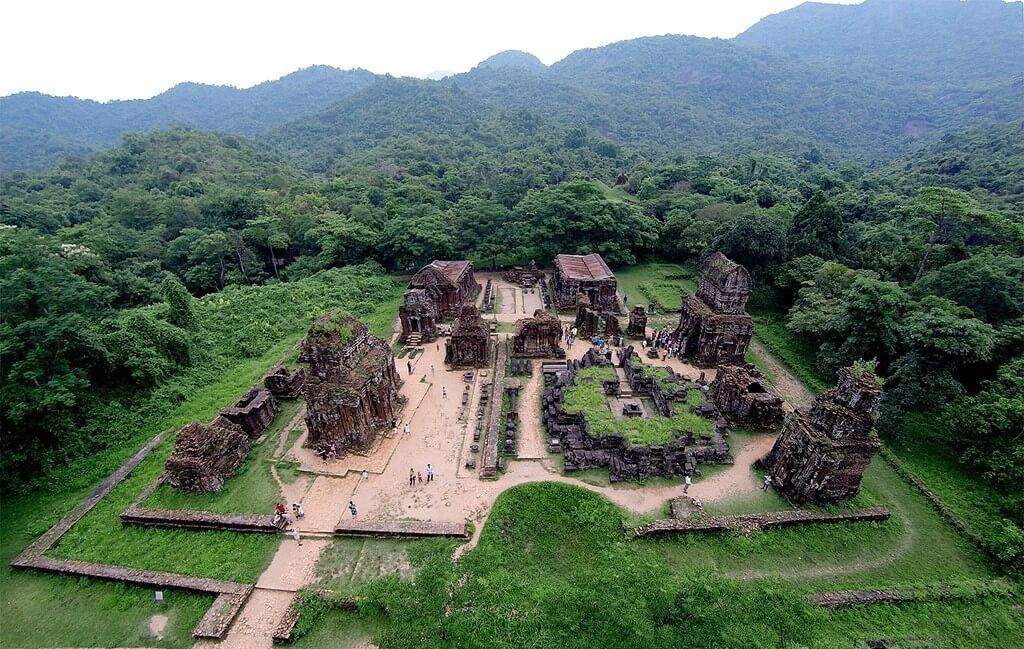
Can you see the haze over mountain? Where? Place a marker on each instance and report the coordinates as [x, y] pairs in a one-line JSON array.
[[869, 80]]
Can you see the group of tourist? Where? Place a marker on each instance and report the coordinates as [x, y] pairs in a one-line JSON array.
[[415, 477], [661, 341], [284, 518], [570, 336]]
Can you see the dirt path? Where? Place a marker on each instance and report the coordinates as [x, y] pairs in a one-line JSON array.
[[439, 428], [793, 391], [531, 434]]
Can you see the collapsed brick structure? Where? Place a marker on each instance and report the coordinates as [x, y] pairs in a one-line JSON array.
[[253, 412], [746, 398], [590, 321], [448, 284], [538, 337], [570, 432], [352, 388], [284, 384], [820, 456], [205, 455], [418, 315], [637, 327], [584, 275], [470, 342], [714, 328], [520, 276]]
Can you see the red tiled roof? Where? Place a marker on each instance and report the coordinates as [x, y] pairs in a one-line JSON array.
[[453, 270], [585, 267]]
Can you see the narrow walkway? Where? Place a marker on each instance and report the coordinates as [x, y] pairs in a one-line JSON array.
[[532, 445]]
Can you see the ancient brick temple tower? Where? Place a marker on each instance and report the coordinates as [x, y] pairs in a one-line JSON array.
[[352, 388], [821, 455], [714, 328], [538, 337], [470, 342], [419, 316]]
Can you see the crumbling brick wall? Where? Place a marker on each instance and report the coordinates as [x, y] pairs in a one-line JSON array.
[[637, 322], [205, 455], [821, 455], [284, 384], [253, 412], [746, 399]]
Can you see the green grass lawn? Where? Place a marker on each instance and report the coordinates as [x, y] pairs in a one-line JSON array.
[[798, 356], [250, 491], [553, 569], [918, 445], [659, 283], [588, 397]]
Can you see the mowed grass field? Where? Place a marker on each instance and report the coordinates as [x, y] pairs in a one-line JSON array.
[[553, 569]]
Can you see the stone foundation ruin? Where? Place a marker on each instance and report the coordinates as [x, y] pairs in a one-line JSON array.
[[821, 455], [284, 384], [470, 342], [637, 322], [587, 275], [590, 322], [352, 388], [205, 455], [529, 276], [447, 284], [570, 432], [253, 412], [418, 316], [745, 398], [714, 329], [538, 337]]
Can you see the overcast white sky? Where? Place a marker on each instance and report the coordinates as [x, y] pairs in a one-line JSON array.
[[123, 49]]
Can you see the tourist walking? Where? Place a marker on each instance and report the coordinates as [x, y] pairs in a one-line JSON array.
[[419, 477], [767, 483], [298, 510], [332, 453], [412, 478], [295, 535], [405, 429], [444, 392], [686, 484], [408, 364], [352, 508], [430, 473]]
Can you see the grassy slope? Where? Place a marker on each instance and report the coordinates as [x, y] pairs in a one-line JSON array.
[[266, 318], [553, 569], [656, 282]]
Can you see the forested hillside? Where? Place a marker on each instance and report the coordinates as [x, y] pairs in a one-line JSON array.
[[868, 81], [38, 130]]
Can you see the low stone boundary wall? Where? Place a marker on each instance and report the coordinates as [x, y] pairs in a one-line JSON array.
[[932, 592], [401, 529], [756, 522], [188, 519], [231, 596], [489, 468], [958, 523]]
